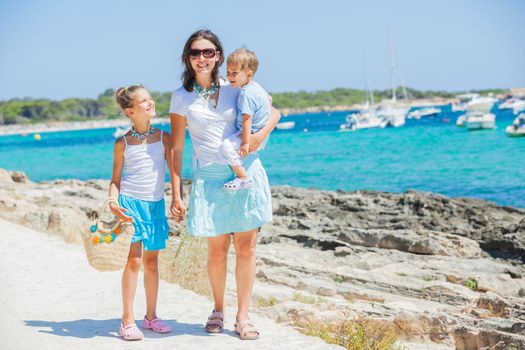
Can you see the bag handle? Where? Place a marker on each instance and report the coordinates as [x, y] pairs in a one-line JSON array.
[[102, 209]]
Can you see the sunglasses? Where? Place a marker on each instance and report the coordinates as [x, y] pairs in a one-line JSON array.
[[207, 53]]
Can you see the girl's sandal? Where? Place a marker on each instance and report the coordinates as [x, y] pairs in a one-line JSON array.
[[130, 332], [156, 325], [246, 330], [215, 323]]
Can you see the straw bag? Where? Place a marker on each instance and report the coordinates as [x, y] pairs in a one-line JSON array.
[[107, 243]]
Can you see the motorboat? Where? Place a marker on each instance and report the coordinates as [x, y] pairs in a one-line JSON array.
[[515, 104], [119, 132], [475, 110], [462, 101], [478, 114], [285, 125], [517, 129], [518, 107], [461, 120], [366, 119], [479, 120], [424, 112]]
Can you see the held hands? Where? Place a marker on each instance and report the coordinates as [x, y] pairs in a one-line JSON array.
[[244, 150], [178, 210], [119, 212]]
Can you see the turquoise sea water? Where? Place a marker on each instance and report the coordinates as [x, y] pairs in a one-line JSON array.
[[426, 155]]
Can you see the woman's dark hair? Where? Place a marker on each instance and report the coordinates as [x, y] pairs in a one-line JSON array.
[[188, 76]]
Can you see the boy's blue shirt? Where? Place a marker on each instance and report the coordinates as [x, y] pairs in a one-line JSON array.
[[254, 101]]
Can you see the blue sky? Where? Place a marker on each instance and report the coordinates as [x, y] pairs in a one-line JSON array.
[[57, 49]]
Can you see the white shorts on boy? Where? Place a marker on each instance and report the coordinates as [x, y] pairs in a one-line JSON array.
[[230, 148]]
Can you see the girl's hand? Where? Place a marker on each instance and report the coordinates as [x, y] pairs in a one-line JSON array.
[[119, 212], [178, 210], [245, 149]]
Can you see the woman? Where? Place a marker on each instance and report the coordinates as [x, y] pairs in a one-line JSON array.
[[206, 106]]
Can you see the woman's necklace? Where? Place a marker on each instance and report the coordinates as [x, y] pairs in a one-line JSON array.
[[207, 93], [143, 138]]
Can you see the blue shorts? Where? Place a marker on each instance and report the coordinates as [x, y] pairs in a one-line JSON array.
[[149, 221]]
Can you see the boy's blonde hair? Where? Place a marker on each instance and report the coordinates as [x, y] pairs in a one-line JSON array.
[[245, 58]]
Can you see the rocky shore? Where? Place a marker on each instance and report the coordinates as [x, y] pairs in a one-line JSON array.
[[445, 272]]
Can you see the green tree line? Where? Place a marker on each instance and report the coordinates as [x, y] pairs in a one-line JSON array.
[[19, 111]]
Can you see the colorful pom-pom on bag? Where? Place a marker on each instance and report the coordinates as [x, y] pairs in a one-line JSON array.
[[107, 242]]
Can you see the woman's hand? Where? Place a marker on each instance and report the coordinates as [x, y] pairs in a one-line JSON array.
[[119, 212], [257, 138], [178, 210]]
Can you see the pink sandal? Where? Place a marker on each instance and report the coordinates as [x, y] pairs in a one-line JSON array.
[[130, 332], [156, 325], [215, 323], [246, 330]]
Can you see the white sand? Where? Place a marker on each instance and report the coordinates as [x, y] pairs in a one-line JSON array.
[[52, 299]]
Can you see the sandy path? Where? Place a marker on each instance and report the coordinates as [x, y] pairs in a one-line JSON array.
[[52, 299]]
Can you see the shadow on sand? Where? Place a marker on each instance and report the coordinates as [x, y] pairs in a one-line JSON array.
[[89, 328]]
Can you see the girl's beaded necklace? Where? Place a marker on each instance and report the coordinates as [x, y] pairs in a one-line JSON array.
[[207, 93], [144, 137]]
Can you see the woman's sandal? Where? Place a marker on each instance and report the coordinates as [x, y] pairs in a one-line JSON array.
[[246, 330], [215, 323]]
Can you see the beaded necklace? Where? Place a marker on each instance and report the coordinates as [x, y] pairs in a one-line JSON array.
[[144, 137], [207, 93]]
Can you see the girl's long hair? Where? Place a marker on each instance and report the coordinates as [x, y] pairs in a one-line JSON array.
[[188, 76]]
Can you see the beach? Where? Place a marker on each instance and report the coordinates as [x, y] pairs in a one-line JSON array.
[[443, 273], [52, 299]]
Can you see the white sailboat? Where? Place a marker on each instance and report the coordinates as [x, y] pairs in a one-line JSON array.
[[391, 111], [365, 119]]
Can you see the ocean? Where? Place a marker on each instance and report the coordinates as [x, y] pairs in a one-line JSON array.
[[430, 154]]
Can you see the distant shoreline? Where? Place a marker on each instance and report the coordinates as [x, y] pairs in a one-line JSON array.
[[19, 129], [342, 108]]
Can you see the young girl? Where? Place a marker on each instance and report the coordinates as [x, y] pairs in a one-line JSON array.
[[138, 197]]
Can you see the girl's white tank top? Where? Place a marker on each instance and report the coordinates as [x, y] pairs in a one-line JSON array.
[[144, 167]]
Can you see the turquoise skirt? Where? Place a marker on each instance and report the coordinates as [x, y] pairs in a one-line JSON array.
[[214, 211], [149, 221]]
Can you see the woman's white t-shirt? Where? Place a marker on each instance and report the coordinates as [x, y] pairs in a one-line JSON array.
[[208, 126]]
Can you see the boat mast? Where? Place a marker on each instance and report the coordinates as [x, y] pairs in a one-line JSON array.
[[402, 81], [369, 94], [392, 66]]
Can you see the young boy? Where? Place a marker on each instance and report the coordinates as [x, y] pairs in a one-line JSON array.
[[253, 106]]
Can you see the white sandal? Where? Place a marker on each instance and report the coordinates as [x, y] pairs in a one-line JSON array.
[[238, 184]]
